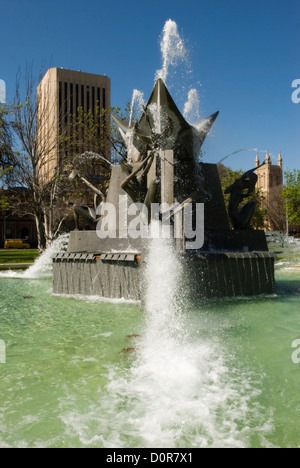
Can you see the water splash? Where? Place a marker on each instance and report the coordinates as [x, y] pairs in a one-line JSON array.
[[172, 48], [286, 249], [43, 264], [191, 110], [179, 387], [137, 105], [244, 150]]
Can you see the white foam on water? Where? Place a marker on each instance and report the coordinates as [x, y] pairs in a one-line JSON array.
[[98, 299], [178, 390], [287, 250], [43, 264]]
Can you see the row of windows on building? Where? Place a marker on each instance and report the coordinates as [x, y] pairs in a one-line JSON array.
[[73, 96]]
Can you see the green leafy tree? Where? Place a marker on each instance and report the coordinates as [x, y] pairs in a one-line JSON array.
[[291, 195], [91, 144]]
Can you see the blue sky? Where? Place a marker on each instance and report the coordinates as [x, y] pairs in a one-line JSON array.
[[243, 55]]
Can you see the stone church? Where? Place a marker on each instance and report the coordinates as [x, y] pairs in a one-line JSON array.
[[270, 176], [270, 182]]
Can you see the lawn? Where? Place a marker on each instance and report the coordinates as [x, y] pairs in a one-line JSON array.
[[18, 256]]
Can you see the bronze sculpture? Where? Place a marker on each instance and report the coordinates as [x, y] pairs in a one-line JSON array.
[[88, 214], [242, 188]]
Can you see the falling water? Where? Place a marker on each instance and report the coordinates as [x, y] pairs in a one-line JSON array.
[[175, 54], [137, 105], [191, 108], [172, 48], [179, 387], [244, 150], [43, 264], [286, 248], [90, 155]]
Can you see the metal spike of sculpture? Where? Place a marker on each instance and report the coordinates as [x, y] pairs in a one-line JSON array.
[[162, 127]]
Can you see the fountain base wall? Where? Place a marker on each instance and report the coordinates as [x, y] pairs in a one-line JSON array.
[[206, 274]]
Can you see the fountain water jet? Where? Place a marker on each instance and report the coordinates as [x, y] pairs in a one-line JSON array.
[[43, 265], [191, 107], [137, 103], [172, 48]]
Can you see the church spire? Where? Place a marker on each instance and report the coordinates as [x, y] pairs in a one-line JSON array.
[[268, 158], [256, 160], [280, 160]]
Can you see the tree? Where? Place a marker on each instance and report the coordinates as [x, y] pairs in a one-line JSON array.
[[40, 185], [41, 197], [291, 195], [6, 152], [227, 178], [86, 147]]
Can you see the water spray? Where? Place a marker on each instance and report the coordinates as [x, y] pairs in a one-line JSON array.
[[244, 150], [173, 49], [137, 98]]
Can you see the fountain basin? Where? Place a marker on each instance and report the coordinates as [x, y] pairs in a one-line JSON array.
[[116, 273]]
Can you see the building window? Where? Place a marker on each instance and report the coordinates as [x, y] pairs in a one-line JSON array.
[[60, 95], [103, 100], [77, 98], [82, 96], [87, 98], [66, 103], [71, 98], [93, 101], [60, 106]]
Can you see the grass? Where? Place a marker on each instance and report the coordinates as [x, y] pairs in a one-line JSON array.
[[18, 256]]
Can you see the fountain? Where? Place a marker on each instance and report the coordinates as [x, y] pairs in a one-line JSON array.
[[162, 180], [197, 375]]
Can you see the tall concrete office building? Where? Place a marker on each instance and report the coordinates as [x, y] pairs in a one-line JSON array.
[[60, 94]]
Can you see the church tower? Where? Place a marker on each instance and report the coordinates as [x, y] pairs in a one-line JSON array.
[[270, 182], [270, 176]]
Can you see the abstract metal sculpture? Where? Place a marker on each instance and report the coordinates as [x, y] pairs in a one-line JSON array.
[[163, 168]]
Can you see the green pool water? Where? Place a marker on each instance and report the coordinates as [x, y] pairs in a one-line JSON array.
[[216, 374]]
